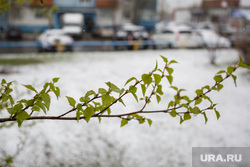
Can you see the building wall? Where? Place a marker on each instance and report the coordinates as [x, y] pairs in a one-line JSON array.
[[27, 19]]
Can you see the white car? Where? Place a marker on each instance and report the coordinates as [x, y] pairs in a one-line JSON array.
[[180, 36], [136, 32], [213, 40], [165, 38], [188, 38], [54, 40]]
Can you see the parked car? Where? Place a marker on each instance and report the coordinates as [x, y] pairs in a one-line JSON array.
[[131, 32], [103, 32], [212, 39], [178, 36], [165, 38], [13, 33], [53, 40]]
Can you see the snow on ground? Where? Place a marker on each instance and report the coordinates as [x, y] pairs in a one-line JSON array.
[[165, 143]]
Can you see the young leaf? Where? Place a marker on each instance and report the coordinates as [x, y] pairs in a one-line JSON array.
[[164, 59], [30, 88], [71, 101], [205, 117], [113, 87], [170, 79], [107, 100], [173, 113], [89, 93], [170, 71], [195, 110], [130, 79], [55, 80], [218, 78], [143, 89], [187, 116], [149, 122], [217, 113], [172, 61], [157, 78], [21, 116], [46, 98], [147, 79], [88, 112], [158, 98], [124, 122], [159, 90], [234, 78]]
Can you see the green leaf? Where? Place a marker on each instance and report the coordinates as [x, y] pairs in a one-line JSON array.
[[205, 117], [164, 59], [57, 92], [187, 116], [173, 113], [171, 104], [198, 101], [84, 99], [35, 108], [174, 87], [121, 101], [130, 79], [217, 113], [159, 90], [181, 120], [170, 71], [124, 122], [172, 61], [88, 112], [221, 72], [107, 100], [55, 80], [143, 89], [147, 79], [89, 93], [42, 106], [158, 98], [170, 79], [234, 78], [149, 122], [199, 92], [219, 87], [218, 78], [195, 110], [157, 78], [71, 101], [30, 88], [113, 87], [132, 89], [102, 91], [21, 116], [230, 69], [156, 66], [244, 66], [46, 98]]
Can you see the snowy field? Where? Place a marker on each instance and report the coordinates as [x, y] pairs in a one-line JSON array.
[[165, 143]]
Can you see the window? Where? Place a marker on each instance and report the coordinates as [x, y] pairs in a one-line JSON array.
[[148, 14]]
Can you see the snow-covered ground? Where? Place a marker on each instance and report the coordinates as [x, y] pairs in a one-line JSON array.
[[165, 143]]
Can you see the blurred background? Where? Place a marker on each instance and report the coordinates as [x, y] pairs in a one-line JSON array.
[[155, 24], [89, 42]]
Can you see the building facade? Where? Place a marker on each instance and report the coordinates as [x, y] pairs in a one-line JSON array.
[[85, 7]]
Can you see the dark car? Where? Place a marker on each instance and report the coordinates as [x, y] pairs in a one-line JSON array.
[[13, 33]]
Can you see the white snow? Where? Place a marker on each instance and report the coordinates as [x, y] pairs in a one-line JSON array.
[[165, 143]]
